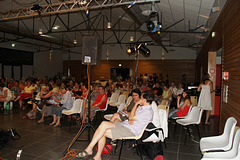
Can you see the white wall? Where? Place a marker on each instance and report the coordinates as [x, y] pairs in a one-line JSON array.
[[43, 66], [117, 53]]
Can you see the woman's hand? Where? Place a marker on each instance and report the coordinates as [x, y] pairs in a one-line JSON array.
[[178, 98]]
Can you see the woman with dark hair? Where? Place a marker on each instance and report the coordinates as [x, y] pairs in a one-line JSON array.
[[183, 106], [205, 99], [118, 117]]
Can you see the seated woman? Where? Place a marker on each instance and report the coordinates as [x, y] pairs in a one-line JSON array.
[[140, 116], [167, 94], [77, 91], [182, 106], [44, 95], [47, 109], [5, 94], [118, 117], [94, 93], [16, 89], [65, 103], [26, 93], [99, 103]]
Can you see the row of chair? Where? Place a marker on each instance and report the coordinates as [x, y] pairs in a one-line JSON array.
[[225, 146]]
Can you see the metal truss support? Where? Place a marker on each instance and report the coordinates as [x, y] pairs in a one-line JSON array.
[[66, 7]]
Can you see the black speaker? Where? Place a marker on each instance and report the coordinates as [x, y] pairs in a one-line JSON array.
[[91, 50]]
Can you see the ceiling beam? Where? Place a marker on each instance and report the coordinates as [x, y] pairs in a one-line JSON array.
[[64, 8]]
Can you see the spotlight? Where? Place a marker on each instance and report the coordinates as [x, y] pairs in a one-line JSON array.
[[154, 26], [36, 7], [131, 50], [144, 50]]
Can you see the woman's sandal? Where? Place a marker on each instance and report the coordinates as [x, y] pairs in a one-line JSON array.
[[83, 154]]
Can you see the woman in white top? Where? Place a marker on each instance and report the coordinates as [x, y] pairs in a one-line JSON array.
[[5, 93], [205, 99]]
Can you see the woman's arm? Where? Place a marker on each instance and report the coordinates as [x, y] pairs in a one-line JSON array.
[[211, 86], [124, 110], [186, 102], [199, 88], [5, 94], [132, 116], [47, 95], [178, 102]]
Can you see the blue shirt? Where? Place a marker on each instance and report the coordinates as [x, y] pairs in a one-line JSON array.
[[144, 115]]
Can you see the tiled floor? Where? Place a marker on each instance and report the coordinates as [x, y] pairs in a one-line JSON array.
[[43, 142]]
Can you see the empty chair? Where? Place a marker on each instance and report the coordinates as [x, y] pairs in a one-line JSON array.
[[121, 99], [221, 142], [193, 119], [120, 108], [76, 109], [113, 98], [233, 154]]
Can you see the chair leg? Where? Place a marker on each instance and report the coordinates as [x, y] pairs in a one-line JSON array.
[[187, 133], [139, 150], [70, 123], [119, 157], [198, 132], [175, 129], [115, 150]]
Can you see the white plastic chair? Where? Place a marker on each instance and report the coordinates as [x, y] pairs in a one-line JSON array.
[[120, 108], [113, 98], [233, 154], [193, 119], [102, 110], [118, 91], [121, 99], [76, 109], [221, 142], [129, 98]]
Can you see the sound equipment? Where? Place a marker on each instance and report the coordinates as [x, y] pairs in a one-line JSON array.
[[91, 50]]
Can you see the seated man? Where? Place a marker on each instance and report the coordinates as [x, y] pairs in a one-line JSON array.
[[140, 116]]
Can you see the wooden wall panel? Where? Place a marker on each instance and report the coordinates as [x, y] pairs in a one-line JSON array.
[[231, 61], [227, 27], [174, 68]]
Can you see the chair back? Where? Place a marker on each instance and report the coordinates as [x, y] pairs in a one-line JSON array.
[[229, 131], [118, 91], [126, 93], [195, 115], [129, 98], [114, 97], [121, 99], [236, 143], [165, 104], [77, 105], [121, 107]]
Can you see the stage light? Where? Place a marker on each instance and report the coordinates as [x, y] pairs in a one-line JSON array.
[[143, 49], [131, 50], [154, 26]]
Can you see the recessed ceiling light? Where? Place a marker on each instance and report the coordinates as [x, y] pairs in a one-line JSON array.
[[13, 44], [213, 34]]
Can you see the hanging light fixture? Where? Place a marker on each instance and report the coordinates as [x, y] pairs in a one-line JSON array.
[[75, 38], [40, 31], [143, 49], [131, 50], [109, 22], [131, 39]]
